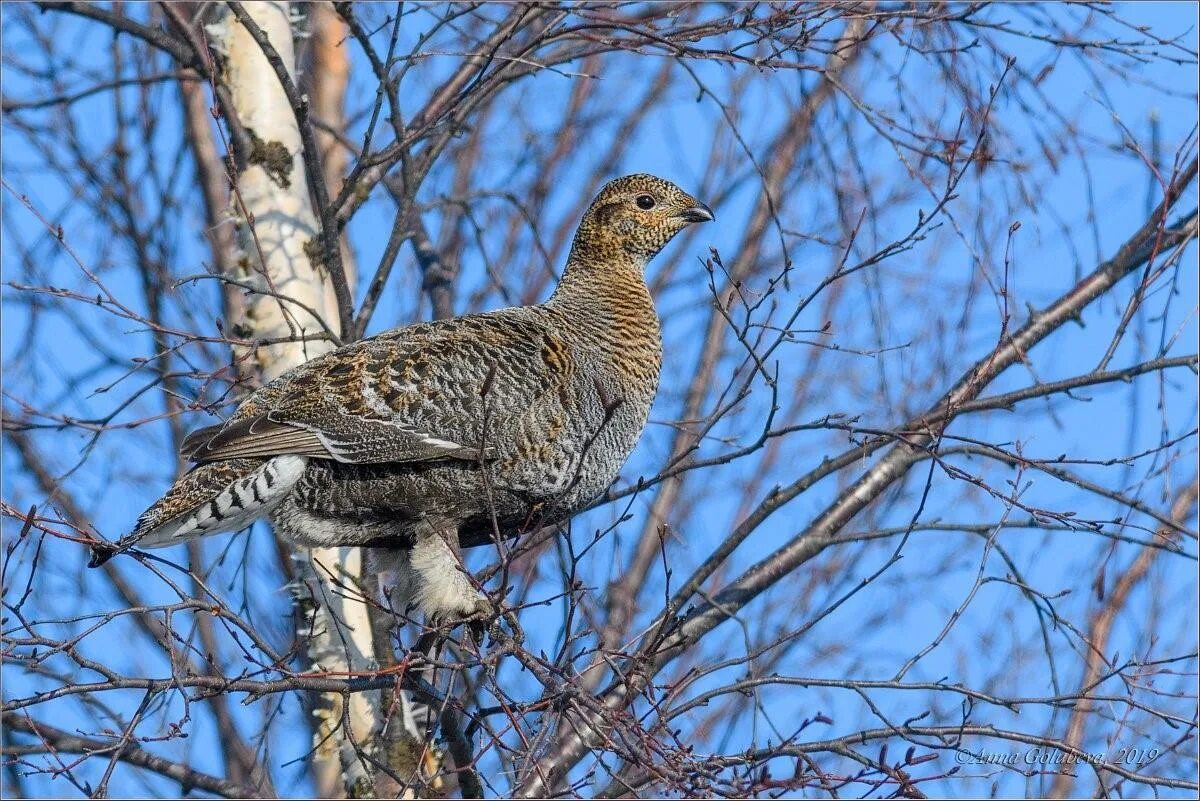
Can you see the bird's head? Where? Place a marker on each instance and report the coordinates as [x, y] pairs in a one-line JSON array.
[[636, 216]]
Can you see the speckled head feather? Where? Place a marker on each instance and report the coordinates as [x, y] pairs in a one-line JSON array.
[[633, 218]]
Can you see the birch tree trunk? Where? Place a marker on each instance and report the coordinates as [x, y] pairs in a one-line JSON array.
[[290, 302]]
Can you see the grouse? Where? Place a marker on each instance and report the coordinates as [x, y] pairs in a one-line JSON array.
[[441, 435]]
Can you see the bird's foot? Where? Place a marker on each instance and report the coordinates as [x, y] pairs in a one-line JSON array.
[[483, 617], [476, 617]]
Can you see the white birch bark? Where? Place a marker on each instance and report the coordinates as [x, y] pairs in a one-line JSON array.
[[275, 224]]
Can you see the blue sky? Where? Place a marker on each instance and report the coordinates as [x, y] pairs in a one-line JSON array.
[[1057, 239]]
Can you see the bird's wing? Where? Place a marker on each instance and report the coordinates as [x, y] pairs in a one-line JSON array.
[[416, 394]]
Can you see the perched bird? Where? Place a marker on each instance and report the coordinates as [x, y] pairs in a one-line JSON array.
[[432, 437]]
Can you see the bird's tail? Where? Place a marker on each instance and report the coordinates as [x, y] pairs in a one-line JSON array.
[[212, 498]]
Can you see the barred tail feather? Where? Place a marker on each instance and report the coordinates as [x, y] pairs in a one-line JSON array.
[[213, 498]]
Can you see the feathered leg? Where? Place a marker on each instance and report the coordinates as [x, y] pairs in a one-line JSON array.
[[441, 586], [430, 577]]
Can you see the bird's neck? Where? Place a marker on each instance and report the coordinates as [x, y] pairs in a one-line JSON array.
[[602, 273], [604, 297]]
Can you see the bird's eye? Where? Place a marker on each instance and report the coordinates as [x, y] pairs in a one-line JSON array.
[[645, 202]]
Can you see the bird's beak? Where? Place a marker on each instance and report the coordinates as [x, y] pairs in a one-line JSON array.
[[697, 213]]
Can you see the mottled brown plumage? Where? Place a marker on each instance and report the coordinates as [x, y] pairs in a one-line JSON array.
[[430, 436]]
